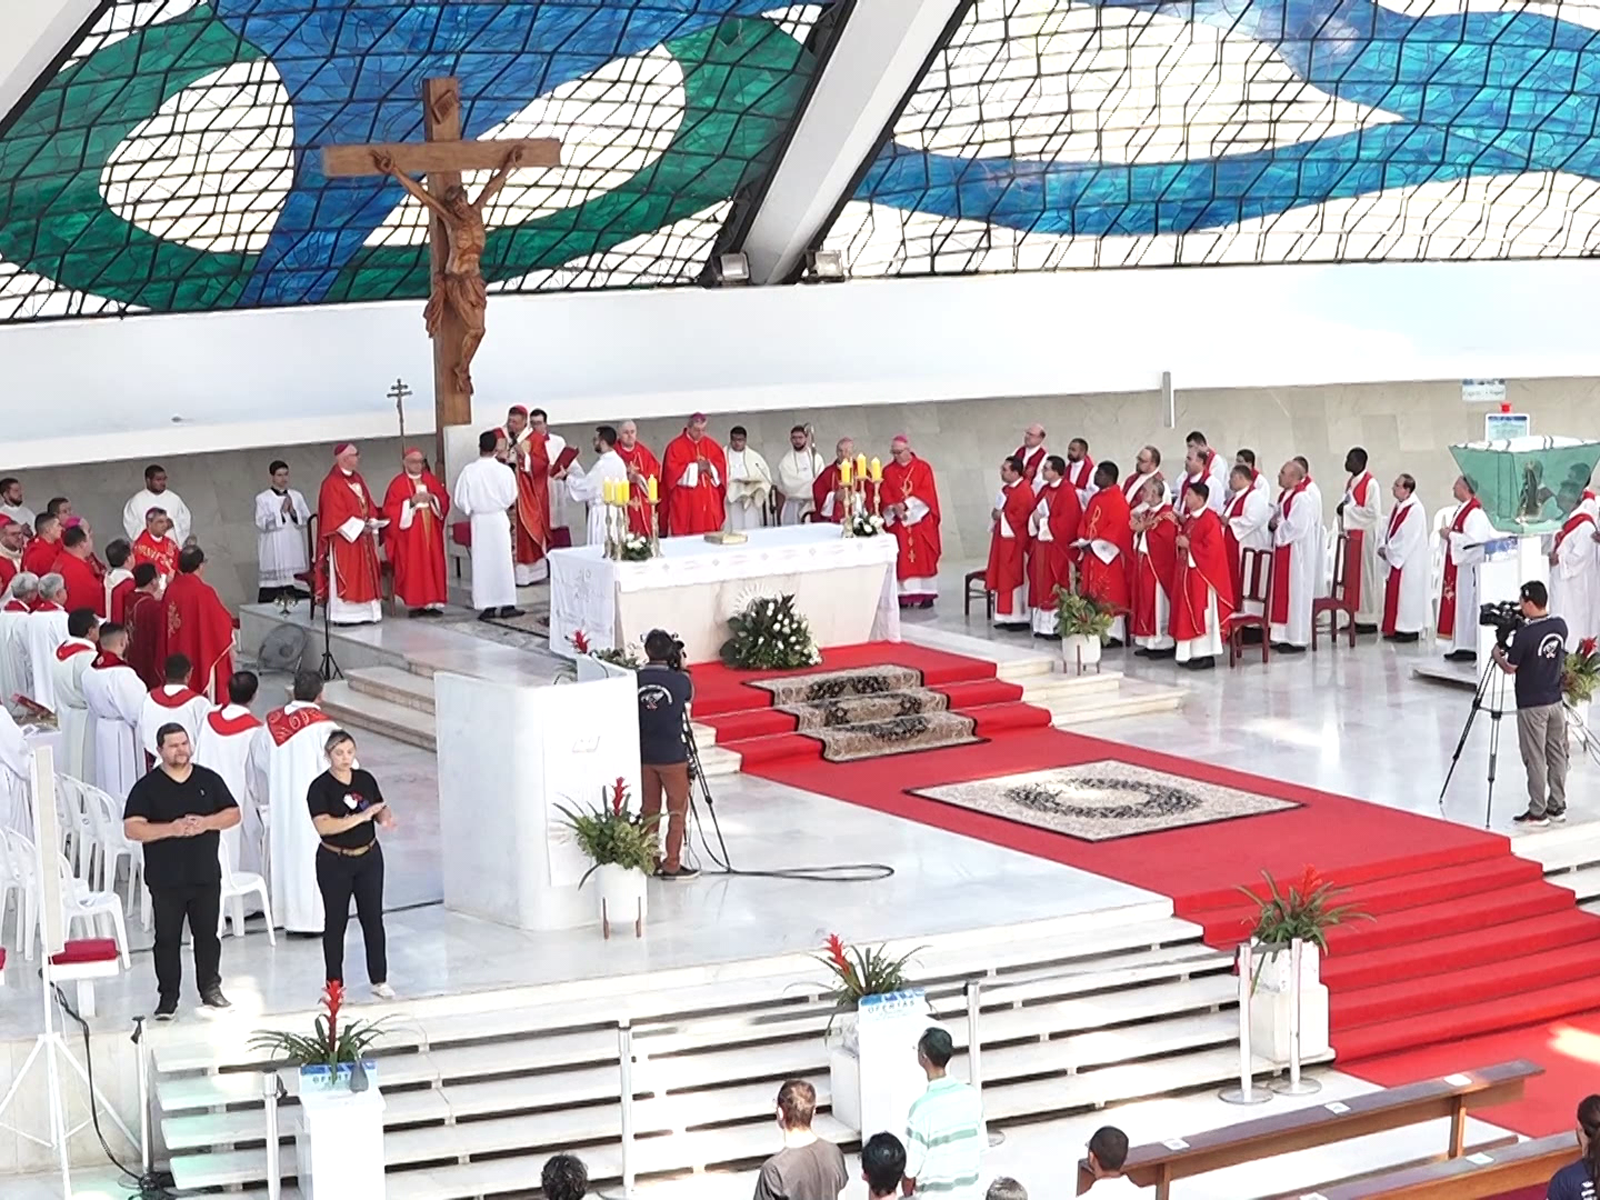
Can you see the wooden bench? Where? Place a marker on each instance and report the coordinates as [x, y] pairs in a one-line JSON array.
[[1158, 1164], [1470, 1177]]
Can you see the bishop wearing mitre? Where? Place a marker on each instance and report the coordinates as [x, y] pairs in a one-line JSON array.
[[1054, 525], [414, 507], [695, 481], [1007, 576], [347, 524], [1406, 593]]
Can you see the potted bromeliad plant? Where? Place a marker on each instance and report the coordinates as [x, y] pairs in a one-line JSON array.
[[622, 847], [1303, 911], [1580, 676], [1082, 623]]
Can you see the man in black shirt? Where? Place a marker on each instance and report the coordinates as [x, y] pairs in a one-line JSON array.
[[176, 813], [1537, 657], [664, 695]]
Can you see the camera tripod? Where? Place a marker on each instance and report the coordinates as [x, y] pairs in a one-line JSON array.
[[1493, 681]]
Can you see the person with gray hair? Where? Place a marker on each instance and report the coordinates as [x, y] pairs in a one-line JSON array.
[[46, 629], [16, 671], [1006, 1188]]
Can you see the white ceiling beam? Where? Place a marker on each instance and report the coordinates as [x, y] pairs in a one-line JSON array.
[[32, 33], [878, 56]]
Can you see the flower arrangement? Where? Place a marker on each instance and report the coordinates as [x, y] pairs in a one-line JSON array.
[[859, 971], [626, 655], [612, 834], [770, 633], [1304, 910], [1078, 615], [333, 1042], [863, 524], [634, 547], [1580, 676]]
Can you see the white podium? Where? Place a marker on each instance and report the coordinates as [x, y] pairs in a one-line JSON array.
[[509, 756], [339, 1145], [875, 1081], [1508, 562]]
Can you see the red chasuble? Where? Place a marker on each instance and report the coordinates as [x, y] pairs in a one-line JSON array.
[[821, 486], [649, 467], [1283, 559], [531, 527], [1008, 557], [699, 509], [195, 623], [162, 551], [40, 556], [1153, 567], [418, 552], [355, 564], [1391, 588], [1106, 519], [143, 619], [120, 595], [8, 569], [1032, 460], [1447, 601], [1191, 586], [85, 589], [1050, 563], [920, 546]]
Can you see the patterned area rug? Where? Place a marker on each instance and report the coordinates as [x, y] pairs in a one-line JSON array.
[[1101, 801], [869, 712]]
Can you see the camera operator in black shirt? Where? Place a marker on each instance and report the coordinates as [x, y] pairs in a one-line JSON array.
[[664, 695], [1536, 658]]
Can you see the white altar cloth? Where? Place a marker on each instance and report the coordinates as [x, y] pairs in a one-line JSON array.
[[845, 587]]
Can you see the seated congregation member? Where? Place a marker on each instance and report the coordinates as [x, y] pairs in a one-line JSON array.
[[1581, 1180], [115, 698], [883, 1165], [1202, 587], [1108, 1150], [808, 1167], [1007, 574], [1155, 532], [1106, 542], [1405, 556], [564, 1177], [1054, 525], [345, 803]]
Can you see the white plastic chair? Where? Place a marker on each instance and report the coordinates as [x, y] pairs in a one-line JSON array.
[[17, 885], [114, 845], [80, 903], [236, 885]]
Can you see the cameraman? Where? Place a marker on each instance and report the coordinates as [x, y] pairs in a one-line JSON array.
[[664, 695], [1537, 657]]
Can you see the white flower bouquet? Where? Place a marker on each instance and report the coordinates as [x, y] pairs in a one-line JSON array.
[[770, 633]]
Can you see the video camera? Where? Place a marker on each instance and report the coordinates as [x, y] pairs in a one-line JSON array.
[[1505, 617], [667, 647]]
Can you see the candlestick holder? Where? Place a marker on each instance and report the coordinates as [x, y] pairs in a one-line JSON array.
[[654, 524]]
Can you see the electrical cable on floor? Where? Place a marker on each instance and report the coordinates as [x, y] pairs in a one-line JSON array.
[[157, 1185], [723, 862]]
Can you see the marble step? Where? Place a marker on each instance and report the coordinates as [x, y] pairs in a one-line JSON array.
[[1584, 882], [1560, 847], [405, 688], [1133, 697], [360, 710]]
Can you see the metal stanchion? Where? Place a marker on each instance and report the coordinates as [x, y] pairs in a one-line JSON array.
[[1295, 1085], [975, 1047], [269, 1098], [625, 1072], [144, 1095], [1246, 1092]]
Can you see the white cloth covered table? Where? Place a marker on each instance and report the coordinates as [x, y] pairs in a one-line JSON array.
[[845, 587]]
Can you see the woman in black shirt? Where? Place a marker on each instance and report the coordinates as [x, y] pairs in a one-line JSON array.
[[345, 803]]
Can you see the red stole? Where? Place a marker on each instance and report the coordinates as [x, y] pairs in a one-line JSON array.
[[105, 660], [176, 699], [1358, 487], [1573, 523], [283, 725], [418, 552], [1283, 559], [228, 726], [698, 509], [1391, 588], [15, 605], [1007, 568], [162, 551], [1031, 461], [355, 564], [1081, 474], [1193, 585], [71, 649], [1154, 567], [1447, 594], [641, 460], [532, 524], [1235, 509]]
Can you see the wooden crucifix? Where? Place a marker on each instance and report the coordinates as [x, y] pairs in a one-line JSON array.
[[456, 237]]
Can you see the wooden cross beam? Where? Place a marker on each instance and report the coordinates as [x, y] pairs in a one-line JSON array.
[[456, 235]]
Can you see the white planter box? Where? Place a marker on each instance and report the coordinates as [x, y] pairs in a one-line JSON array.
[[874, 1076], [1078, 652], [1577, 720], [623, 898], [1271, 1005], [339, 1145]]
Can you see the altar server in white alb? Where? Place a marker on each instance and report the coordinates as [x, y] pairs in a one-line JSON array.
[[1458, 593], [1361, 512], [798, 470], [115, 696], [16, 776], [1296, 558], [1405, 556], [15, 673], [227, 741], [172, 702], [589, 487], [156, 495], [1246, 525], [485, 491], [749, 481], [287, 757], [282, 518], [73, 658], [44, 630], [1575, 575]]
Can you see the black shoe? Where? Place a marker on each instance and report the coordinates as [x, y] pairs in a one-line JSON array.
[[1142, 652], [1014, 627], [1557, 818], [682, 872], [510, 611], [1287, 648], [487, 614], [1528, 821], [1048, 637], [1406, 639], [1366, 629], [1169, 652], [1200, 664], [167, 1010], [1461, 656], [417, 612], [924, 603], [1114, 644], [213, 998]]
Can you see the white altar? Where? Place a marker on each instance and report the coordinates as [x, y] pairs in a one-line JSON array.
[[844, 586]]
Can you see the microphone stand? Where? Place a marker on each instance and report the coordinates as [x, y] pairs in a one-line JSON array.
[[330, 665]]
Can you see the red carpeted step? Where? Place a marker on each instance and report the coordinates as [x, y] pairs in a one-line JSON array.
[[989, 720], [720, 689], [766, 722], [1347, 972], [1467, 1020], [1468, 984]]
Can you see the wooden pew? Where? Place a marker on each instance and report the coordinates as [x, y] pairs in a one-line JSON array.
[[1158, 1164], [1470, 1177]]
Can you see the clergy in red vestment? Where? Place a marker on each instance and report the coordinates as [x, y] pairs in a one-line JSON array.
[[1007, 573], [347, 519], [1032, 452], [1054, 524], [1155, 535], [1202, 582], [695, 481], [643, 466], [828, 494], [415, 506], [40, 556], [1106, 541], [12, 543], [1081, 470], [155, 545], [196, 624], [531, 452], [84, 587], [910, 500], [142, 615]]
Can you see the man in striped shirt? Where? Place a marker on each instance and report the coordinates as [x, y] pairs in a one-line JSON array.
[[945, 1132]]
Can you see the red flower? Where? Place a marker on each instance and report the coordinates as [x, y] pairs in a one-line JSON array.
[[1310, 881], [836, 952], [580, 641], [1587, 646], [619, 796], [333, 1001]]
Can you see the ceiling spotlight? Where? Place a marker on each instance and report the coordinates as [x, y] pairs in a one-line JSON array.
[[824, 266], [732, 269]]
